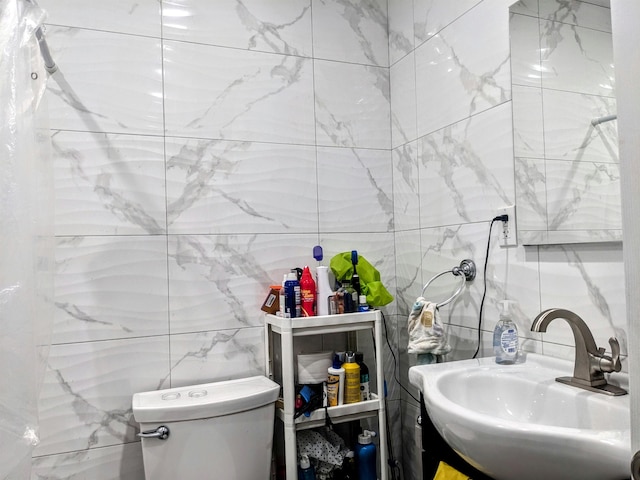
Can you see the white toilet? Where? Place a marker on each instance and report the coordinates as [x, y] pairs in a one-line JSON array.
[[221, 430]]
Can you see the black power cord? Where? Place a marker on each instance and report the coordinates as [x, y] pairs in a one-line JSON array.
[[499, 218]]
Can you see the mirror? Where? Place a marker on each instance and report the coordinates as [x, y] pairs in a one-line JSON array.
[[565, 141]]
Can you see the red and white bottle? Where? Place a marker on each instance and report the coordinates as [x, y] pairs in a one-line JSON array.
[[307, 293]]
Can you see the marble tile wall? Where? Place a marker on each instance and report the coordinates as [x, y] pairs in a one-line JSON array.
[[200, 152], [453, 161]]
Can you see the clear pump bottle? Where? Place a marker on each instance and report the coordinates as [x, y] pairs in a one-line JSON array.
[[505, 336]]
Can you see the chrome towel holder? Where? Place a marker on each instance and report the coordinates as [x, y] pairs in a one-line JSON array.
[[466, 271]]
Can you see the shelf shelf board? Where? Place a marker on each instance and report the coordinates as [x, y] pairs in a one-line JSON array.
[[346, 322], [339, 414]]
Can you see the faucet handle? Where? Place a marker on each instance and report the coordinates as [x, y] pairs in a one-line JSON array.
[[615, 354], [608, 364]]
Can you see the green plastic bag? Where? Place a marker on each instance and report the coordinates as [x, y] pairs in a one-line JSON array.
[[372, 287]]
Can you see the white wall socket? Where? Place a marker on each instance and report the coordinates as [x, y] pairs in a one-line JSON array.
[[508, 232]]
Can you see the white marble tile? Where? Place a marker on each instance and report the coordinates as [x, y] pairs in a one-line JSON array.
[[351, 31], [575, 12], [524, 40], [401, 36], [282, 27], [583, 196], [216, 186], [220, 282], [403, 101], [466, 170], [106, 82], [587, 280], [137, 17], [355, 190], [85, 400], [352, 105], [409, 279], [377, 248], [406, 183], [431, 16], [577, 59], [108, 184], [525, 7], [205, 357], [110, 287], [237, 95], [119, 462], [511, 274], [528, 125], [568, 133], [531, 194], [458, 76]]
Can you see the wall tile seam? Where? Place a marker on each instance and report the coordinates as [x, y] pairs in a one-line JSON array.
[[577, 92], [475, 114], [216, 45], [444, 27], [158, 335]]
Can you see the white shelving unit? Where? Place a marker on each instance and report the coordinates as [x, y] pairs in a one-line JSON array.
[[288, 328]]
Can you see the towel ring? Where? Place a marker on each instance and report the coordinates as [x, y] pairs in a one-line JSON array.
[[466, 271]]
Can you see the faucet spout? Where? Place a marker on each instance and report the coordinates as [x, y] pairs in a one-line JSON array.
[[590, 361]]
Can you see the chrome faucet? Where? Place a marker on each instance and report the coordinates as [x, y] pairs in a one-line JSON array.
[[591, 363]]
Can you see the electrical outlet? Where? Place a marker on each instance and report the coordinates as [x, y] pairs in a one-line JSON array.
[[508, 235]]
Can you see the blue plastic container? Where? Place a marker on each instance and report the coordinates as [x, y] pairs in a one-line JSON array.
[[366, 456]]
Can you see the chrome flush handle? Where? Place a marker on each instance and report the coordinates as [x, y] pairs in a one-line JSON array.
[[161, 433]]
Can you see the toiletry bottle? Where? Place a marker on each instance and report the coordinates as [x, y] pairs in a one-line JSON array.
[[307, 293], [292, 296], [366, 456], [364, 377], [306, 470], [355, 278], [363, 306], [505, 337], [283, 298], [351, 379], [324, 290], [335, 383]]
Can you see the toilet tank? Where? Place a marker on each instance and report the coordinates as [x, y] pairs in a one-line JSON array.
[[221, 430]]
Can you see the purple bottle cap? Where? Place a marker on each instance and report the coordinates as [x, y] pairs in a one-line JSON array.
[[317, 252]]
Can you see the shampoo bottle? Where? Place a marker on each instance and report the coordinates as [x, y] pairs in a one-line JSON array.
[[351, 379], [292, 296], [307, 293], [364, 377], [335, 383], [505, 337]]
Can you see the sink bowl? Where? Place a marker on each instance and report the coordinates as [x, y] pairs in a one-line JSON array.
[[516, 422]]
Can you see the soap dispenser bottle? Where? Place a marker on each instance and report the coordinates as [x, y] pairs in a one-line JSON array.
[[505, 336]]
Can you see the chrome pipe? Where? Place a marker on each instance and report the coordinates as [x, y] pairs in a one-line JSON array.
[[599, 120], [49, 64]]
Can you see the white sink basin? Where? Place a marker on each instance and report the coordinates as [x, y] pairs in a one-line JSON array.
[[516, 422]]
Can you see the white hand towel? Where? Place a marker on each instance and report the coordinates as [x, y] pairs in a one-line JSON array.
[[426, 333]]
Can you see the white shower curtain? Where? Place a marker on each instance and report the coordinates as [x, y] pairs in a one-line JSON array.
[[26, 235]]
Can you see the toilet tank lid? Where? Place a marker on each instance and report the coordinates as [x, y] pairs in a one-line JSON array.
[[204, 401]]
